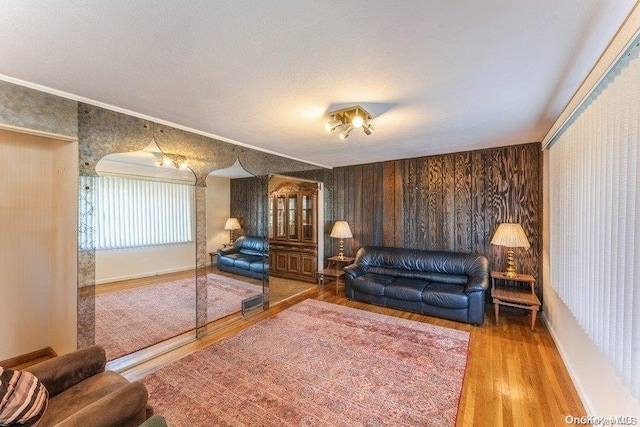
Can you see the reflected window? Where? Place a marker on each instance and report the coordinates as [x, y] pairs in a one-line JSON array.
[[136, 213]]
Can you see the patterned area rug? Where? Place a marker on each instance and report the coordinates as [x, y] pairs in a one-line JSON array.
[[318, 364], [133, 319]]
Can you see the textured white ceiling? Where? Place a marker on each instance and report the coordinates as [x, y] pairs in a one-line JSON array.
[[438, 76]]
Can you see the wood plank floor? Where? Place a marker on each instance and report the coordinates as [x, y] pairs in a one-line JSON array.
[[514, 376], [279, 288]]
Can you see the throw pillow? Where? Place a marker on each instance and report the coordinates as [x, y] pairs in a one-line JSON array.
[[23, 399]]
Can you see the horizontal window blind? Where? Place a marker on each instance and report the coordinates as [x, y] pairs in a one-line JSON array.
[[593, 172], [134, 213]]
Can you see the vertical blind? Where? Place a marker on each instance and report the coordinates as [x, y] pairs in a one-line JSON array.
[[595, 240], [133, 213]]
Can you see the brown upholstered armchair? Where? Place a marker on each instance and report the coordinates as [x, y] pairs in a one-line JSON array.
[[82, 393]]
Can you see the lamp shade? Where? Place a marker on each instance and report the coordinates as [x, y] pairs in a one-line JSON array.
[[510, 235], [232, 224], [341, 230]]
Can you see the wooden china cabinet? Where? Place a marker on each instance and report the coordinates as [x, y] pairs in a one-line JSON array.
[[293, 246]]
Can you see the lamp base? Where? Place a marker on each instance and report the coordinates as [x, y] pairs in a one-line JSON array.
[[511, 265]]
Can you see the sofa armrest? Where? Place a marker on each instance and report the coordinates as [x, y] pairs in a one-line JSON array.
[[227, 251], [354, 270], [125, 406], [60, 373], [476, 284]]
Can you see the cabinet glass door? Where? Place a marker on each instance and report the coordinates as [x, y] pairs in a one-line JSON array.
[[271, 236], [293, 218], [280, 218], [307, 218]]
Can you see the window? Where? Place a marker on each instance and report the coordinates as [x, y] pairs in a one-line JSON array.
[[133, 213], [595, 239]]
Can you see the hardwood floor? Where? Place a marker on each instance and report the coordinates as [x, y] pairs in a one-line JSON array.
[[514, 376], [279, 288]]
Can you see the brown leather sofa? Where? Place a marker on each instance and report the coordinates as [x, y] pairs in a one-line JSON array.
[[83, 394]]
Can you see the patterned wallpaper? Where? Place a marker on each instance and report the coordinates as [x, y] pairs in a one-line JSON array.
[[29, 109]]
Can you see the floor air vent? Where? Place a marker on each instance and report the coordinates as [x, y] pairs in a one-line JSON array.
[[251, 303]]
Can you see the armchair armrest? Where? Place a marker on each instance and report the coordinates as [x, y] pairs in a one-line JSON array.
[[476, 284], [354, 270], [62, 372], [124, 405], [227, 251]]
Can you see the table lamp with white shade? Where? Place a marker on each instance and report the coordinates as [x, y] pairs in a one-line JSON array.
[[341, 231], [231, 225], [510, 235]]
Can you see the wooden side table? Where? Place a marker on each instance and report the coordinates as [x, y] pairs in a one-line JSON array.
[[334, 270], [512, 297]]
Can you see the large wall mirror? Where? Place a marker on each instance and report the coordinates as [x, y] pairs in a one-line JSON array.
[[238, 278], [222, 181], [145, 251]]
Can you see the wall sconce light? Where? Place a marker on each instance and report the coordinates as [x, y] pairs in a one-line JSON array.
[[231, 225], [510, 235], [348, 119]]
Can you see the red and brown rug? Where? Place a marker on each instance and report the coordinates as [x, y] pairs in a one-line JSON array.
[[318, 364], [133, 319]]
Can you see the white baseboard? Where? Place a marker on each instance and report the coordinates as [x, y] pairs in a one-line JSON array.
[[141, 275], [576, 381]]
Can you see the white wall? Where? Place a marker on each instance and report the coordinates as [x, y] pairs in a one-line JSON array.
[[600, 389], [38, 210], [131, 263], [218, 210], [64, 246]]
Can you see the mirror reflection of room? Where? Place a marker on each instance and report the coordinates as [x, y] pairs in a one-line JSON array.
[[295, 235], [238, 278], [145, 250]]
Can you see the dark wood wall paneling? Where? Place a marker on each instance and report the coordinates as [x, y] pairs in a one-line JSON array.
[[249, 203], [451, 202]]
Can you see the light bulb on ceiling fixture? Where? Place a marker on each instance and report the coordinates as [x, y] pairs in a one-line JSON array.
[[345, 133], [166, 162], [332, 125], [357, 121]]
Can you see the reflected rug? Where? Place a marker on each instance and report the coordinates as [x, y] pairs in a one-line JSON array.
[[133, 319], [318, 364]]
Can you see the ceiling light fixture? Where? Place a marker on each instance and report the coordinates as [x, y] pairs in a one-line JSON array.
[[171, 160], [345, 132], [348, 119]]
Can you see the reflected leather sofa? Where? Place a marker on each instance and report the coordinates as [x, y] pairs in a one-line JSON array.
[[449, 285], [82, 393], [248, 257]]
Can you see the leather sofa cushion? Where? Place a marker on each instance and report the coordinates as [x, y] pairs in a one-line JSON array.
[[430, 276], [245, 261], [251, 243], [445, 295], [447, 263], [227, 260], [406, 289], [251, 252], [372, 284], [259, 266]]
